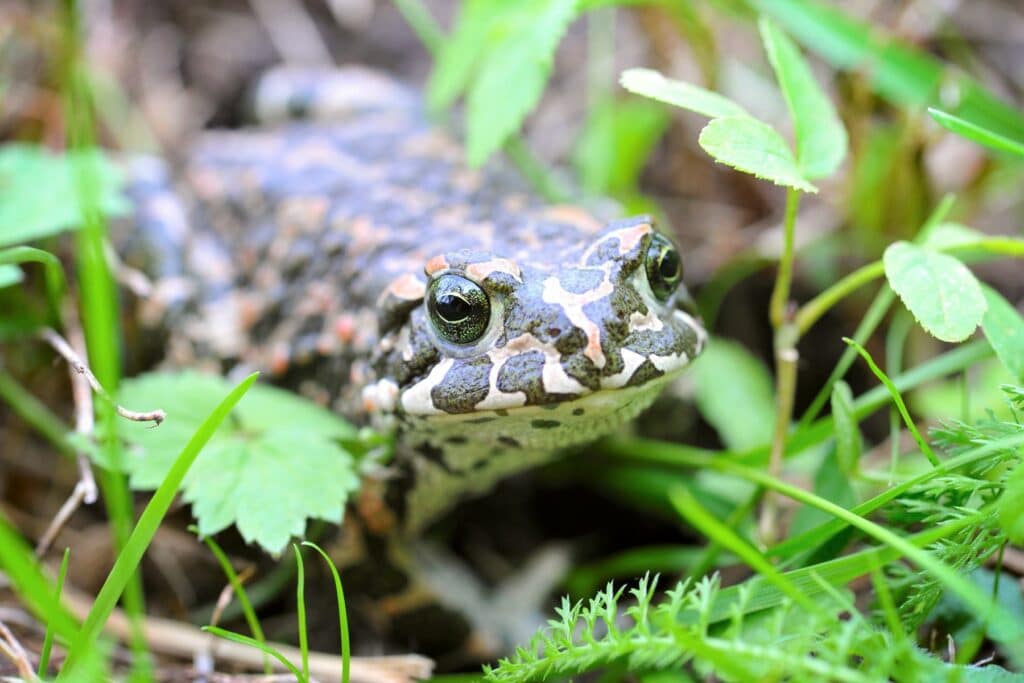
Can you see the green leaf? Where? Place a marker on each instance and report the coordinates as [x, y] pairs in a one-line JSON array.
[[753, 147], [460, 54], [734, 393], [650, 83], [941, 292], [134, 548], [1010, 506], [976, 133], [513, 73], [1004, 328], [39, 195], [848, 438], [275, 464], [616, 143], [902, 74], [10, 275], [820, 136]]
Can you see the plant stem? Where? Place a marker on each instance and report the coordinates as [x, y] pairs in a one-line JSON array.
[[786, 357], [780, 295], [816, 307]]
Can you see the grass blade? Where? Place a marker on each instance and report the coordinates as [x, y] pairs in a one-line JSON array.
[[346, 653], [976, 133], [128, 559], [262, 647], [240, 592], [44, 653]]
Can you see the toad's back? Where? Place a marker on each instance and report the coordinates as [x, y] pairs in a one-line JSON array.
[[354, 257]]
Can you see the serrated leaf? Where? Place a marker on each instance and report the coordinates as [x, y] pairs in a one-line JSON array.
[[39, 196], [976, 132], [10, 275], [275, 463], [847, 431], [941, 292], [650, 83], [460, 54], [1010, 506], [734, 393], [754, 147], [821, 139], [1004, 328], [513, 74]]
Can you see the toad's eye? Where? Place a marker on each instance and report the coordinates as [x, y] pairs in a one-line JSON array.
[[664, 268], [459, 309]]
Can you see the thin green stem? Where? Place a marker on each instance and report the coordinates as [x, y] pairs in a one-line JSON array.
[[300, 606], [780, 294], [898, 399], [809, 313], [240, 594]]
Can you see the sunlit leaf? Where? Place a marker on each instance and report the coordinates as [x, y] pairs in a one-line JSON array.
[[941, 292], [650, 83], [820, 136], [976, 133], [276, 462], [751, 146], [1004, 328]]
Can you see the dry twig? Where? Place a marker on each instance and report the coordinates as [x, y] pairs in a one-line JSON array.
[[12, 649], [75, 361]]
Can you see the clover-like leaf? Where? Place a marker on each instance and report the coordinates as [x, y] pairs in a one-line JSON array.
[[821, 139], [941, 292], [650, 83], [753, 147], [1004, 328], [277, 461]]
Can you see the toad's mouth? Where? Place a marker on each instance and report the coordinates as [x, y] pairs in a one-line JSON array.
[[547, 426]]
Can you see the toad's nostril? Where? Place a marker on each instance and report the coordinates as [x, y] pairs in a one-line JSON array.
[[554, 332]]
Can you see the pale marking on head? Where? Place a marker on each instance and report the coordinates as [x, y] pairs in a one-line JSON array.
[[380, 397], [417, 399], [553, 375], [645, 321], [628, 238], [435, 265], [670, 362], [631, 360], [480, 271], [407, 287], [572, 304]]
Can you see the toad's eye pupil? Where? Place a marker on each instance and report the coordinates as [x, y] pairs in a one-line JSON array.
[[452, 308], [459, 308], [664, 267], [670, 265]]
